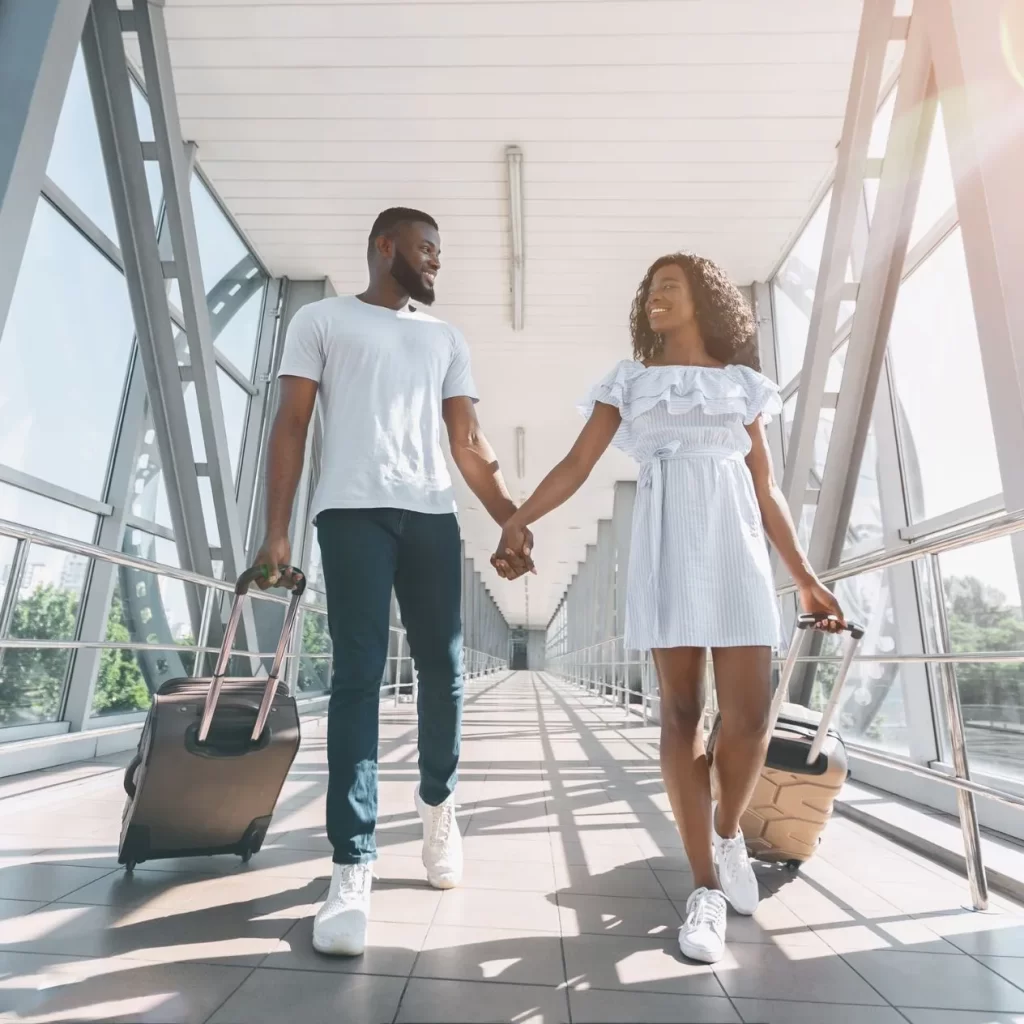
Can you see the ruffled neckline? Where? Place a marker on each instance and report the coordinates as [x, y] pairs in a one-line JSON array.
[[635, 389]]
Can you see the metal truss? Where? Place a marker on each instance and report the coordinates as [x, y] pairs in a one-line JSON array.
[[169, 361]]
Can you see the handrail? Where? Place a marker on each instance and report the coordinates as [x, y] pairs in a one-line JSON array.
[[965, 536], [478, 663], [77, 547]]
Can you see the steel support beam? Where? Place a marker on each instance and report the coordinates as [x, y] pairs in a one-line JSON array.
[[875, 31], [38, 41], [887, 242], [175, 172], [109, 81], [977, 51]]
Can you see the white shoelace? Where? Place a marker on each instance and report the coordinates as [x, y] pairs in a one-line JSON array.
[[441, 819], [734, 855], [707, 910], [352, 883]]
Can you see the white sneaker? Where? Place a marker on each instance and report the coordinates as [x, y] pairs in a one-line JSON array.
[[339, 928], [442, 843], [702, 936], [735, 872]]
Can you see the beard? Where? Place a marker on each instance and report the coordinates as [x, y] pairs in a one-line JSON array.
[[413, 283]]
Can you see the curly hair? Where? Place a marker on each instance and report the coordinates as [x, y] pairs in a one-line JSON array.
[[723, 316]]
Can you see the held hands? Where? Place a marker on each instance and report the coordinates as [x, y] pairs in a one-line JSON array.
[[817, 599], [512, 558]]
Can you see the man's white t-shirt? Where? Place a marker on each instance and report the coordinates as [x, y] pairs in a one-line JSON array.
[[383, 374]]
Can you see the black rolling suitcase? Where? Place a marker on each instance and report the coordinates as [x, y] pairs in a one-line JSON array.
[[213, 755]]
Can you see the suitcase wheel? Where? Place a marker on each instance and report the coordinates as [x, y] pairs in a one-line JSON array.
[[794, 865], [129, 867], [247, 856]]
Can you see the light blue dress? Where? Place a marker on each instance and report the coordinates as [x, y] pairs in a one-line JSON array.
[[699, 568]]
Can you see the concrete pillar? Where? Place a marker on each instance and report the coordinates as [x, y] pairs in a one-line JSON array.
[[622, 529], [604, 569]]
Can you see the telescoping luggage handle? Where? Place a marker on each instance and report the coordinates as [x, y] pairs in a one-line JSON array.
[[291, 579], [804, 624]]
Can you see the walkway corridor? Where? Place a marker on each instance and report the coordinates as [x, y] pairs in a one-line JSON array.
[[574, 885]]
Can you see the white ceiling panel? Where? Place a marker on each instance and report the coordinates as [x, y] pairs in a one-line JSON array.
[[647, 126]]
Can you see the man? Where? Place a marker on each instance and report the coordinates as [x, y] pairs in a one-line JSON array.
[[387, 374]]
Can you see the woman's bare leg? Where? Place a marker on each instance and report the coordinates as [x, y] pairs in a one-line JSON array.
[[743, 685], [684, 763]]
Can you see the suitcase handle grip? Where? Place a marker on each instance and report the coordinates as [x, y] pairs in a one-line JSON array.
[[294, 580], [290, 578], [808, 620]]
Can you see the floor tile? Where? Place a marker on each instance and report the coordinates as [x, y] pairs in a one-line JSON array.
[[527, 877], [1008, 967], [493, 908], [636, 883], [391, 949], [428, 1001], [648, 965], [270, 996], [921, 1016], [983, 934], [45, 881], [615, 915], [525, 850], [239, 933], [598, 857], [11, 909], [404, 904], [903, 936], [791, 969], [593, 1007], [937, 981], [491, 954], [39, 987], [769, 1011]]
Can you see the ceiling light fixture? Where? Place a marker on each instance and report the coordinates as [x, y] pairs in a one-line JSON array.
[[514, 161], [521, 452]]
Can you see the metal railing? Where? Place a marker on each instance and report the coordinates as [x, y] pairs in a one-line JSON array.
[[627, 678], [399, 679]]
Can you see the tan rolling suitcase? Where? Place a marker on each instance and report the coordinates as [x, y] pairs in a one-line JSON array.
[[213, 756], [805, 768]]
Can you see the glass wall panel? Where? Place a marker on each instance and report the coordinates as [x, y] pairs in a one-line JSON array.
[[64, 357], [941, 397], [76, 160], [314, 674], [872, 709], [232, 278], [28, 509], [32, 680], [983, 608], [146, 608], [793, 292], [937, 194]]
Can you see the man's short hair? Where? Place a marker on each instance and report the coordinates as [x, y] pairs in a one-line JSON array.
[[390, 220]]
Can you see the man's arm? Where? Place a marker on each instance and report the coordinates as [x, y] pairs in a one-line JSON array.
[[285, 454], [477, 463]]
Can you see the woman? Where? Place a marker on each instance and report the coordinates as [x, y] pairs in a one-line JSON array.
[[691, 408]]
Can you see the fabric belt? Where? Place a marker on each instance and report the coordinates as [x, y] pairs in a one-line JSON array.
[[652, 476]]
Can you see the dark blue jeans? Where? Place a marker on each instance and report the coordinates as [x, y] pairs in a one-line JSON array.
[[365, 553]]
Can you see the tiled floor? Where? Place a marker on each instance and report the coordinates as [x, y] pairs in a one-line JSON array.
[[574, 885]]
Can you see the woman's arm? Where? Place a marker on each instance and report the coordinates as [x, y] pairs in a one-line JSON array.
[[558, 486], [778, 525]]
